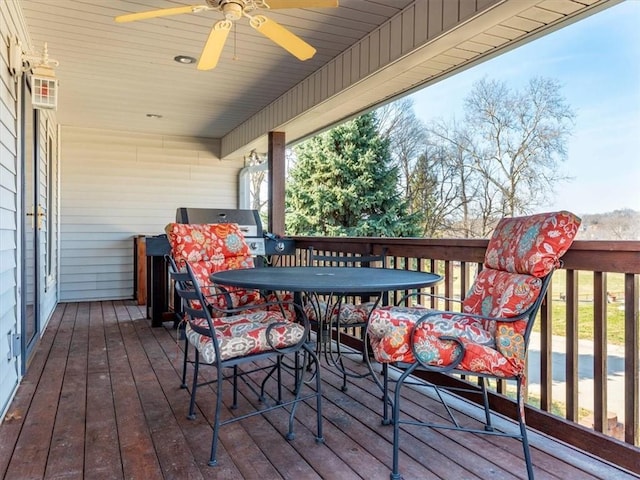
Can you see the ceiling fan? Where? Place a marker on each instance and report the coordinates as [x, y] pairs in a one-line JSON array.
[[234, 10]]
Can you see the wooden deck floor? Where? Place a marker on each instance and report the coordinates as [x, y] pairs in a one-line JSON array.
[[101, 400]]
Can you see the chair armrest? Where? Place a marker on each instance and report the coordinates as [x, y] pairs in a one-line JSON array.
[[433, 313], [424, 294], [414, 343], [228, 291], [281, 305], [210, 296]]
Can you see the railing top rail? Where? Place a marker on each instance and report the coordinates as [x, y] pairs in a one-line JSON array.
[[598, 256]]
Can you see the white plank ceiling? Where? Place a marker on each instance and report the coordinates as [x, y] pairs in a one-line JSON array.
[[112, 75]]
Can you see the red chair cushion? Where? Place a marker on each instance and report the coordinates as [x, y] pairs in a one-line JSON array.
[[501, 294], [532, 244], [390, 330], [245, 334], [520, 251], [210, 248], [222, 244]]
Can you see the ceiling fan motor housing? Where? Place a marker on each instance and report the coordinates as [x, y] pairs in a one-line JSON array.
[[231, 9]]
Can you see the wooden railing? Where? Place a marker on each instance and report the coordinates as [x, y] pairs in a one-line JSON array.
[[598, 279]]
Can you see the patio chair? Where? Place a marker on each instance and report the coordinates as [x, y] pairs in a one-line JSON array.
[[335, 313], [243, 336], [211, 248], [488, 337]]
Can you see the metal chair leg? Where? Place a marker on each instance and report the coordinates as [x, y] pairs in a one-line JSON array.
[[311, 357], [523, 430], [216, 420], [395, 410], [184, 363], [485, 401], [234, 405], [385, 394], [194, 387]]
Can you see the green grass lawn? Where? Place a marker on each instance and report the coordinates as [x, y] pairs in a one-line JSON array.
[[615, 314]]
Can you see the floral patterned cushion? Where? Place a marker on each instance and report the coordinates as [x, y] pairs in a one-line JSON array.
[[246, 334], [213, 242], [211, 248], [390, 330], [501, 294], [532, 244], [350, 313], [520, 251]]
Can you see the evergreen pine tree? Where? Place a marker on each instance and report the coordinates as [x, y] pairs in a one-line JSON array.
[[343, 184]]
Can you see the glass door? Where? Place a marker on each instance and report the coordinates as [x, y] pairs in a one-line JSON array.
[[31, 279]]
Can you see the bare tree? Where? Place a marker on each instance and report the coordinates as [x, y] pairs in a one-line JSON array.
[[617, 225], [518, 140], [406, 133], [257, 179], [436, 193], [507, 152]]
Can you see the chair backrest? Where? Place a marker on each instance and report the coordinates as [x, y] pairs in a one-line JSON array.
[[183, 280], [192, 299], [520, 258], [208, 248], [333, 260]]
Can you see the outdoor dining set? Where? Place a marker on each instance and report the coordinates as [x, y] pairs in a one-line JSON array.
[[254, 321]]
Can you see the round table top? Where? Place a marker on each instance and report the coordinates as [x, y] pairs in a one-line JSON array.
[[326, 279]]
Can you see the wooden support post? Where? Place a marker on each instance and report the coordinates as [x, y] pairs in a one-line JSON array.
[[277, 166]]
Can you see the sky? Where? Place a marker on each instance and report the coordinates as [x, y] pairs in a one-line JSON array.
[[597, 62]]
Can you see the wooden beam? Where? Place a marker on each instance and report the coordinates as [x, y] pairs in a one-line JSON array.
[[277, 164]]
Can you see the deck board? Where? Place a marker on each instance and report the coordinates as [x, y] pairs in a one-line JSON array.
[[101, 399]]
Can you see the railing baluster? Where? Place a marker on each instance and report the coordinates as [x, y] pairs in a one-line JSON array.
[[546, 352], [571, 365], [448, 283], [465, 281], [631, 405], [434, 290], [600, 352]]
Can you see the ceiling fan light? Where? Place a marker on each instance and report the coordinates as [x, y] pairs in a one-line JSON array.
[[234, 10]]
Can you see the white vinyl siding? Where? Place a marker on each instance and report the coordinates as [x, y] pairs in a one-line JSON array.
[[9, 201], [117, 185]]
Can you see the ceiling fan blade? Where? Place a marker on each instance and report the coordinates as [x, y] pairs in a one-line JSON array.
[[275, 4], [213, 48], [283, 37], [163, 12]]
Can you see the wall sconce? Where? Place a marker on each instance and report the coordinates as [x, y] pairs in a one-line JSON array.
[[44, 84]]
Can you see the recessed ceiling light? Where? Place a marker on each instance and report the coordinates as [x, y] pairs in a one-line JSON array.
[[153, 115], [184, 59]]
